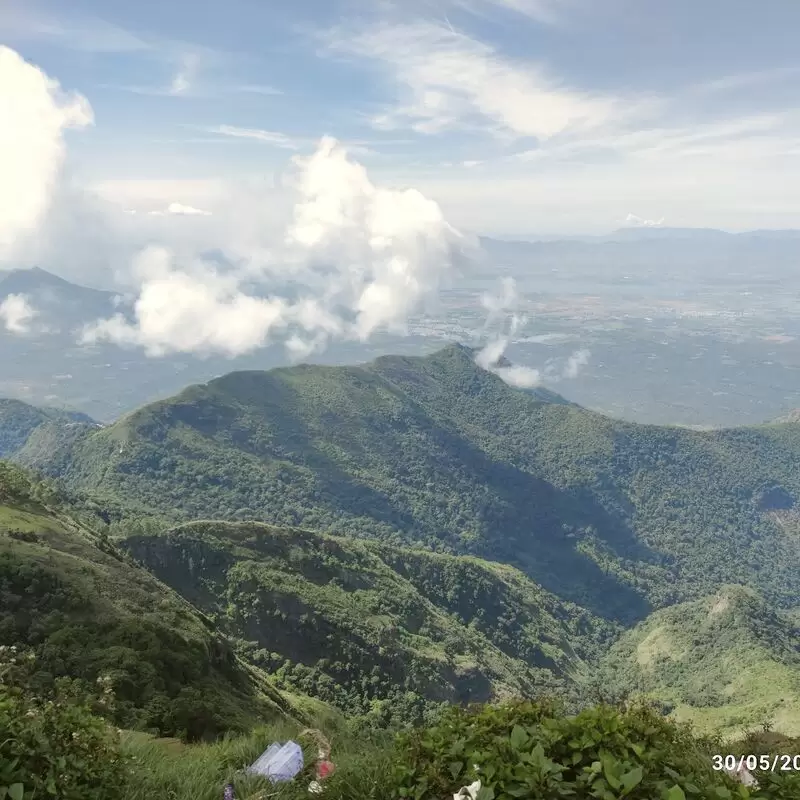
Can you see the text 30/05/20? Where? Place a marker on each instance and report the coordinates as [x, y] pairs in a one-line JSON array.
[[764, 763]]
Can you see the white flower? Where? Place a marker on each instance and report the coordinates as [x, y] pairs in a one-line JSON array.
[[471, 791]]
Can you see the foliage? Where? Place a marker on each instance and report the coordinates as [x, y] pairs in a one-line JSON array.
[[435, 452], [373, 629], [532, 751], [86, 611], [722, 662], [53, 746]]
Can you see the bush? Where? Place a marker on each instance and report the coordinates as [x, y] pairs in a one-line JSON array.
[[527, 750], [54, 747]]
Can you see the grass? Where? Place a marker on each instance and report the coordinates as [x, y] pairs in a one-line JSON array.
[[169, 770]]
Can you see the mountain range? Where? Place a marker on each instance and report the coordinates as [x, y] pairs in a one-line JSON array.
[[334, 522]]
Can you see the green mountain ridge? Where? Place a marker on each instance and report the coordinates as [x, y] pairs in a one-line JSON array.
[[722, 662], [420, 511], [366, 619], [438, 453], [20, 422]]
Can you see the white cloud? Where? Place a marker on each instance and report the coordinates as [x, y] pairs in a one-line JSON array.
[[492, 356], [269, 137], [449, 80], [395, 244], [575, 363], [190, 310], [16, 313], [639, 222], [255, 88], [85, 33], [365, 256], [178, 209], [34, 113], [185, 76], [547, 12]]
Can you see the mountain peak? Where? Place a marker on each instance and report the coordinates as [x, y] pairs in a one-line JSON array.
[[36, 279]]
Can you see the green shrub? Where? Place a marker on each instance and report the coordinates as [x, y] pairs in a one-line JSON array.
[[527, 750], [55, 747]]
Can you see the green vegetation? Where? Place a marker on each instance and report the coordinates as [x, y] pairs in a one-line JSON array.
[[436, 453], [532, 750], [53, 746], [434, 538], [722, 662], [20, 421], [87, 612], [354, 622]]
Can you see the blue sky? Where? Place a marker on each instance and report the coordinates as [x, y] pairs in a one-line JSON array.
[[520, 117]]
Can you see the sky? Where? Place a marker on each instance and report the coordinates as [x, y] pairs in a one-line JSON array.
[[376, 138], [520, 117]]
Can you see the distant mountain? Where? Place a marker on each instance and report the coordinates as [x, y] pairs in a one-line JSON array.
[[722, 662], [19, 421], [60, 305], [658, 232], [347, 614], [635, 233], [437, 452]]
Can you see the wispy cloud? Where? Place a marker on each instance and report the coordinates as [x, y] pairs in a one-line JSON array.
[[547, 12], [254, 88], [184, 78], [653, 139], [448, 80], [358, 147], [269, 137], [92, 34], [75, 32]]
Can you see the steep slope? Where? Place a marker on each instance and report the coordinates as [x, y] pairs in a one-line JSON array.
[[435, 451], [724, 662], [87, 612], [354, 621]]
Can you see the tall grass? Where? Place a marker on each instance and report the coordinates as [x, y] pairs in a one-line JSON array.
[[167, 769]]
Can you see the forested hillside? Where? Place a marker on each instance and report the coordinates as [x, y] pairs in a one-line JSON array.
[[723, 662], [352, 622], [436, 452], [20, 421], [87, 612]]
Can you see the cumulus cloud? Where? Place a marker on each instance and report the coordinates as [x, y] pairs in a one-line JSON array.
[[34, 113], [186, 310], [16, 313], [364, 257], [639, 222]]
